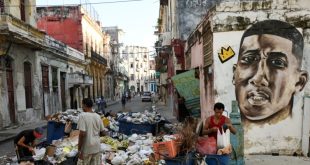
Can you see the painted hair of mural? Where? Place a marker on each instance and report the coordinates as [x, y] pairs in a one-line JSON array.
[[267, 73]]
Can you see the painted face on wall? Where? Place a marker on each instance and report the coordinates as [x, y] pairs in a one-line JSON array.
[[266, 76]]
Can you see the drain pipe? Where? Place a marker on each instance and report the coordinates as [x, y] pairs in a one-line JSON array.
[[237, 141]]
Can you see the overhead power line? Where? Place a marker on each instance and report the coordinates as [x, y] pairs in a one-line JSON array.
[[91, 3]]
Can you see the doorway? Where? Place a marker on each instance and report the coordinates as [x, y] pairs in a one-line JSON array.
[[45, 85], [63, 90], [10, 85]]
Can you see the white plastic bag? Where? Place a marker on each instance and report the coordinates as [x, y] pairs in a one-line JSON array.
[[223, 139]]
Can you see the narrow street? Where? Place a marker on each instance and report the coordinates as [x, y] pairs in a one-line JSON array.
[[133, 105]]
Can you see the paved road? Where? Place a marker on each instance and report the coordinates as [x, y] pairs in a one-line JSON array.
[[134, 105]]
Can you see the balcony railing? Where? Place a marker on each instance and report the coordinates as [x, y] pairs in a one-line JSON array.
[[95, 56], [79, 79], [88, 80], [75, 79]]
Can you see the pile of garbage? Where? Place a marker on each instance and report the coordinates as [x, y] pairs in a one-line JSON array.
[[117, 148], [139, 118], [71, 115]]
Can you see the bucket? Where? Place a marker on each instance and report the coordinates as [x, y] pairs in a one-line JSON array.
[[218, 159]]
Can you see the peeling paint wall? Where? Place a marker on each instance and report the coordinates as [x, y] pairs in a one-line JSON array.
[[19, 55], [191, 12], [58, 22]]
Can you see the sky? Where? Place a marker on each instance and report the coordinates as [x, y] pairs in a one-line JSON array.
[[137, 18]]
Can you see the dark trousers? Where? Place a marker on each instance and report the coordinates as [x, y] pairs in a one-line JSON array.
[[23, 154]]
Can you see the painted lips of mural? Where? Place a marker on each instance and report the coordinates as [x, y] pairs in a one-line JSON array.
[[258, 98]]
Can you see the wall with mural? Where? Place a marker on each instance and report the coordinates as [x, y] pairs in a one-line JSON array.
[[267, 78]]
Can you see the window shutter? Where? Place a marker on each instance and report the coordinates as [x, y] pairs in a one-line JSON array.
[[207, 44]]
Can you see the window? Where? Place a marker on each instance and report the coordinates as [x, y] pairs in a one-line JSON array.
[[131, 65], [45, 82], [1, 6], [28, 84], [54, 78], [132, 77], [22, 10]]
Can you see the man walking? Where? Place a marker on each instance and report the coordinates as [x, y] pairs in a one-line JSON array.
[[91, 128]]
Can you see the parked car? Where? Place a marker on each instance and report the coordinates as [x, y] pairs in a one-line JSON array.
[[146, 96]]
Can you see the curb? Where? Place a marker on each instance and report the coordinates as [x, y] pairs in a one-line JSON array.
[[7, 138], [112, 103]]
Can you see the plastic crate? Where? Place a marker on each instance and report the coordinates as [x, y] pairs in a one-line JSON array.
[[56, 130], [168, 149], [188, 159], [129, 128], [218, 159]]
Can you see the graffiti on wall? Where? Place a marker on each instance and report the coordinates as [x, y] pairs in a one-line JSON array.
[[268, 71], [226, 54]]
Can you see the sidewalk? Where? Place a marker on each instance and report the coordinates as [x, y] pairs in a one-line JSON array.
[[113, 102], [10, 132], [166, 112]]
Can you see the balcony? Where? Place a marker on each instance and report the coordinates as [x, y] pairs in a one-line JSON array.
[[145, 70], [75, 79], [75, 54], [137, 59], [166, 37], [137, 69], [145, 59], [88, 80], [98, 58], [17, 31], [79, 79]]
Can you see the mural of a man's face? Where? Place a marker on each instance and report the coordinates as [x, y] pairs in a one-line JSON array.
[[266, 76]]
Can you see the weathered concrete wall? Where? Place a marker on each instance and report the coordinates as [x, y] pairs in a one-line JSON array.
[[53, 98], [64, 24], [19, 55], [12, 7], [191, 12]]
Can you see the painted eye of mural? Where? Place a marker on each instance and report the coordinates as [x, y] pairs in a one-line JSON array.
[[278, 63], [248, 59]]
